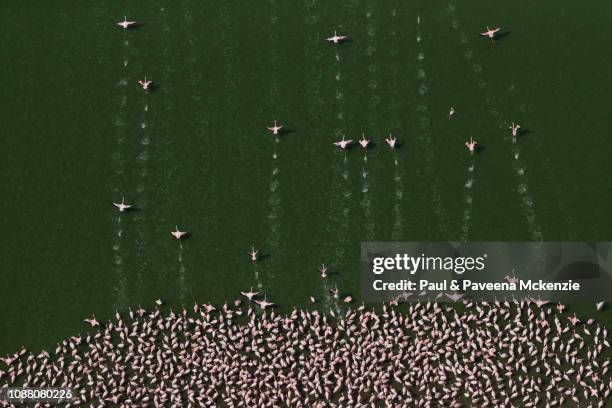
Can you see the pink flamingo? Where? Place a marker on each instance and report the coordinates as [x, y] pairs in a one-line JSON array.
[[511, 279], [250, 294], [276, 129], [490, 33], [264, 303], [146, 84], [126, 24], [336, 39], [363, 141], [573, 319], [178, 234], [471, 145], [253, 254], [122, 206], [343, 144], [515, 129], [323, 270], [391, 141]]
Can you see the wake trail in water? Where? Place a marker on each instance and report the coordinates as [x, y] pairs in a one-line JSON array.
[[183, 281], [398, 226], [315, 53], [274, 199], [467, 200], [118, 162], [182, 272], [423, 141], [340, 193], [341, 220], [374, 101], [338, 188], [520, 171], [141, 191], [165, 91]]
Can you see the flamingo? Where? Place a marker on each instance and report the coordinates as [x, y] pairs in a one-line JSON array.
[[264, 303], [146, 84], [471, 145], [391, 141], [122, 206], [253, 254], [454, 296], [490, 33], [276, 129], [92, 322], [250, 294], [323, 270], [363, 141], [126, 24], [343, 144], [515, 129], [512, 279], [336, 39], [178, 234]]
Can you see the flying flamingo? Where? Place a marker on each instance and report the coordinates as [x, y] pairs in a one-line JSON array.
[[343, 144], [122, 206], [336, 39], [471, 145], [126, 24], [264, 303], [276, 129], [145, 83], [250, 294], [363, 141], [490, 33], [391, 141], [178, 234], [92, 322], [323, 270], [454, 296], [515, 129], [253, 254], [511, 279]]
